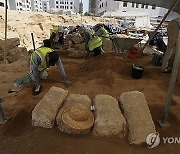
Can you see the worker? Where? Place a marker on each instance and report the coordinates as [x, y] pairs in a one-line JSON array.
[[41, 59], [95, 45], [57, 36], [92, 43], [101, 32], [173, 32], [87, 36]]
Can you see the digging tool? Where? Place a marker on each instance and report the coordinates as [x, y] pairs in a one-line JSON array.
[[33, 41]]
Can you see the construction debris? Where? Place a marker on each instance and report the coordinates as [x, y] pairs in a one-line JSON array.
[[138, 116], [109, 120], [46, 110]]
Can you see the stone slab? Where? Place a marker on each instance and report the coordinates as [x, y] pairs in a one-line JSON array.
[[45, 112], [138, 116], [109, 120]]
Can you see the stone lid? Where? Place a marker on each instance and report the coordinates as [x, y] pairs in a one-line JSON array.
[[78, 117]]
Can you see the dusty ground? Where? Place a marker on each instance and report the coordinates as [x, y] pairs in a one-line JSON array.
[[108, 74]]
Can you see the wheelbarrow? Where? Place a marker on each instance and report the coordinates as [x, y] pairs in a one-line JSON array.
[[123, 44]]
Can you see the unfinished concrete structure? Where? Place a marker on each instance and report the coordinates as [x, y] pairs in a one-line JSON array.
[[99, 7], [160, 3], [66, 5]]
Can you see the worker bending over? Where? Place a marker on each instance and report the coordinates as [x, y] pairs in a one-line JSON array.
[[93, 44], [41, 59]]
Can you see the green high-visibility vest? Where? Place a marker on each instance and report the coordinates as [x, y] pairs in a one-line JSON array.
[[94, 43], [42, 53]]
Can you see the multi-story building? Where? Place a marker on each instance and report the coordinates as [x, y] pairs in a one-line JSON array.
[[45, 6], [26, 5], [2, 4], [92, 6], [65, 5], [99, 7], [81, 7], [17, 5], [37, 5]]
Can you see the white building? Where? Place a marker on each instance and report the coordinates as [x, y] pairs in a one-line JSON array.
[[45, 6], [64, 5], [81, 7], [99, 7], [25, 5], [2, 4], [37, 5]]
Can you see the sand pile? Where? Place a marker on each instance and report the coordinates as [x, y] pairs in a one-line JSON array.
[[22, 24]]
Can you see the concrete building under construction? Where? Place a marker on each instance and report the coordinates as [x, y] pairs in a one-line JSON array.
[[99, 7]]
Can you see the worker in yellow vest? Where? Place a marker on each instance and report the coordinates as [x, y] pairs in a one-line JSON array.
[[101, 32], [41, 59], [57, 36], [95, 45]]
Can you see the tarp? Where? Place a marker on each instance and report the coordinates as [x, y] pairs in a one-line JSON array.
[[161, 3]]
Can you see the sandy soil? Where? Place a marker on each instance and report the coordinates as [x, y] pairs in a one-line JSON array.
[[108, 74], [22, 24]]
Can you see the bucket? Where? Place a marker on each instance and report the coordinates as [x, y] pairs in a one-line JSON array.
[[137, 71]]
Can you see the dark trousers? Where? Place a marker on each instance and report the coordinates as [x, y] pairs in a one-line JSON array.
[[97, 51]]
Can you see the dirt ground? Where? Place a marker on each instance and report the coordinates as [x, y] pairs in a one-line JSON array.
[[108, 74]]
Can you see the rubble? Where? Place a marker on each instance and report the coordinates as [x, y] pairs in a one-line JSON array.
[[45, 112], [109, 120], [13, 53], [138, 116]]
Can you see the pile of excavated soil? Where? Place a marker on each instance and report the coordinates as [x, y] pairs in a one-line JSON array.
[[22, 24], [107, 74]]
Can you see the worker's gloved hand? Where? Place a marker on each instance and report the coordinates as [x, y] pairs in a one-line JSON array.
[[36, 87], [67, 83]]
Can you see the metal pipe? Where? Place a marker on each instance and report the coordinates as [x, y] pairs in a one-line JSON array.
[[176, 65]]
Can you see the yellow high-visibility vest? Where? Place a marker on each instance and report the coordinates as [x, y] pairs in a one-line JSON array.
[[54, 29], [42, 53], [105, 33], [95, 42]]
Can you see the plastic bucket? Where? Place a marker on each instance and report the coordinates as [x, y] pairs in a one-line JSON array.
[[137, 72]]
